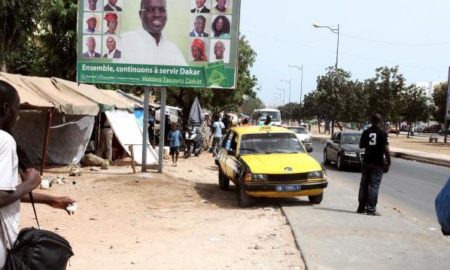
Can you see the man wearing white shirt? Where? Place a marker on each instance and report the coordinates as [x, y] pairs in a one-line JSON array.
[[12, 191], [200, 7], [112, 52], [147, 45]]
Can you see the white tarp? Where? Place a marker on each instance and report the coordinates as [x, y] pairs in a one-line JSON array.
[[68, 136], [128, 133]]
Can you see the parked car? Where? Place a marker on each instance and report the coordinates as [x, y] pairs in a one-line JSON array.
[[343, 149], [431, 129], [441, 132], [268, 161], [304, 136]]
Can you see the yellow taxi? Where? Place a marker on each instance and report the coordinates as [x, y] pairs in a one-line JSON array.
[[268, 161]]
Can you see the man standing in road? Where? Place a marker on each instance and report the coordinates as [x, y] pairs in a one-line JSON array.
[[147, 45], [11, 191], [375, 142]]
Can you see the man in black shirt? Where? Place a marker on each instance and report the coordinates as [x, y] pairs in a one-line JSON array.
[[375, 142]]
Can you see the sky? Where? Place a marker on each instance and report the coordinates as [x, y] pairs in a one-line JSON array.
[[412, 34]]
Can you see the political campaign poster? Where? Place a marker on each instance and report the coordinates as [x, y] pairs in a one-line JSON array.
[[179, 43]]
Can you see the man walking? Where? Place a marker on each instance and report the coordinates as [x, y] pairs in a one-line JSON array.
[[375, 142]]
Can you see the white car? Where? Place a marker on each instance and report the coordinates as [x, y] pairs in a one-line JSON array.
[[304, 136]]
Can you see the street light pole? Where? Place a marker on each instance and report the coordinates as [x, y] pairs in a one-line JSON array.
[[289, 82], [284, 94], [301, 80], [334, 31]]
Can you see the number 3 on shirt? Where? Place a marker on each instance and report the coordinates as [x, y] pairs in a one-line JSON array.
[[373, 139]]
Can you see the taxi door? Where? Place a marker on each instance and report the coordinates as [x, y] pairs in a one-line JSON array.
[[232, 160], [223, 154]]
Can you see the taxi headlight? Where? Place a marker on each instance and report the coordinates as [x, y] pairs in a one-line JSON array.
[[350, 154], [316, 174], [259, 177]]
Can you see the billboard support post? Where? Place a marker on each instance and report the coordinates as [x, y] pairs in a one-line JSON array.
[[145, 130], [162, 130]]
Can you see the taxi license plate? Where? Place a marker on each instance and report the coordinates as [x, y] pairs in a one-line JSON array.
[[288, 188]]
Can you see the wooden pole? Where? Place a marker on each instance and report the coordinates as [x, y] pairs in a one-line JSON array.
[[46, 138], [145, 130]]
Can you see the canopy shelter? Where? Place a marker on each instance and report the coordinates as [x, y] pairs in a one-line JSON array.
[[105, 101]]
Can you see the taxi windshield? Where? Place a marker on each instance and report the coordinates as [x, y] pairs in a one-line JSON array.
[[270, 143]]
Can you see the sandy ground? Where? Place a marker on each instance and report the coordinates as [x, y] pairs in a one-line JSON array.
[[177, 220]]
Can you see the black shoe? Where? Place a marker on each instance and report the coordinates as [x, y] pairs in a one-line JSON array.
[[374, 213], [361, 210]]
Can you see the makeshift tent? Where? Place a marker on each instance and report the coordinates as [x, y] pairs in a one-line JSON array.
[[70, 121]]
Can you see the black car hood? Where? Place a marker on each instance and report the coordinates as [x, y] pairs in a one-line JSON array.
[[351, 148]]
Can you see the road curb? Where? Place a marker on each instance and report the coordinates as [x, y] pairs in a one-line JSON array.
[[297, 244], [402, 155]]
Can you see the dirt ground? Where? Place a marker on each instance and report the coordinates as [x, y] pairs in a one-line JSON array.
[[177, 220]]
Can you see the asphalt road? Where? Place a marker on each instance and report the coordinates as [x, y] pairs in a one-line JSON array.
[[406, 236], [409, 186]]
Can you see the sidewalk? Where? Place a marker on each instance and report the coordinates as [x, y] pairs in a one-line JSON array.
[[332, 236], [399, 152]]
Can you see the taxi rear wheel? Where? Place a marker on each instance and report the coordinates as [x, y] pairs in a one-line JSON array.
[[224, 182], [317, 199]]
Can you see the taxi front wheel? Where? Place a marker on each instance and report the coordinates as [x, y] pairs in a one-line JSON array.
[[317, 199], [243, 199], [224, 182]]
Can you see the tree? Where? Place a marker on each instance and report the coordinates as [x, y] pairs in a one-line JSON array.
[[56, 52], [250, 104], [440, 102], [332, 88], [18, 23], [384, 92], [413, 106]]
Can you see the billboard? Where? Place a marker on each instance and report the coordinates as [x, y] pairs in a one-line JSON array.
[[181, 43]]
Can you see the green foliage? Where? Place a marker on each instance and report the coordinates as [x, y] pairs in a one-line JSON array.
[[291, 112], [440, 98], [342, 99], [18, 22], [56, 53], [250, 104]]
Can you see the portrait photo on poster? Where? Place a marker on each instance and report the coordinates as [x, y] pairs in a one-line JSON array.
[[221, 26], [111, 23], [220, 50], [201, 6], [92, 23], [199, 24], [199, 50], [111, 47], [147, 43], [113, 5], [93, 5], [222, 6], [92, 46]]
